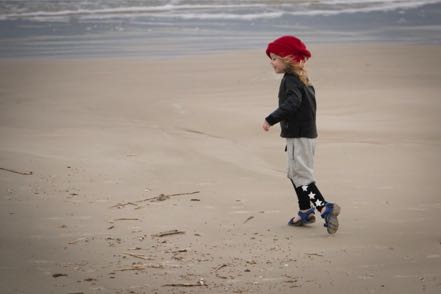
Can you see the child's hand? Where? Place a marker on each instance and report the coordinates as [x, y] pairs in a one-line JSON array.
[[266, 126]]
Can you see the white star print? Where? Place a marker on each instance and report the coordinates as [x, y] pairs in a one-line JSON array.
[[305, 188], [311, 195], [318, 203]]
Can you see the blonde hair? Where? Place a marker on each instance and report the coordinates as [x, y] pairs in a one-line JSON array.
[[297, 68]]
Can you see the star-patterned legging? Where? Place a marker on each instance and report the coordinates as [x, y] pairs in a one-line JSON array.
[[308, 194]]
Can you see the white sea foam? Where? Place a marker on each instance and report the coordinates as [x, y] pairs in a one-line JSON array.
[[244, 11], [227, 16], [390, 5], [168, 27], [124, 10]]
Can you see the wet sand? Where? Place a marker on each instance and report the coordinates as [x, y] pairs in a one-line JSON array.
[[104, 138]]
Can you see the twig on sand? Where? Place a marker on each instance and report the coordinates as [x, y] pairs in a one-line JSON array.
[[121, 205], [134, 267], [314, 254], [77, 240], [124, 219], [200, 283], [17, 172], [221, 266], [139, 267], [162, 197], [180, 250], [168, 233], [141, 256], [248, 219]]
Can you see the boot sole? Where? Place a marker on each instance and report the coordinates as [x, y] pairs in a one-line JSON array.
[[333, 220]]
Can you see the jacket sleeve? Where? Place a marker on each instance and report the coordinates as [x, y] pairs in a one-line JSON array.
[[288, 106]]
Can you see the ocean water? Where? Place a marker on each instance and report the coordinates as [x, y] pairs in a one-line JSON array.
[[175, 27]]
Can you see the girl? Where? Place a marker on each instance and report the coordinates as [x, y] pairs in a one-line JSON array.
[[297, 117]]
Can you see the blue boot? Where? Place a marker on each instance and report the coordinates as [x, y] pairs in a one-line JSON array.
[[307, 217], [329, 214]]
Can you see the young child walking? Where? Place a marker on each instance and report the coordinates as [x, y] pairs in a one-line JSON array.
[[296, 114]]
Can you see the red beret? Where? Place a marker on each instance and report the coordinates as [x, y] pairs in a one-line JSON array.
[[289, 45]]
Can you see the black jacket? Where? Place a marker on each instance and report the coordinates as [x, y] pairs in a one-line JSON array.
[[297, 109]]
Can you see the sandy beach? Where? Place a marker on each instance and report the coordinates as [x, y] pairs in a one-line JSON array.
[[144, 175]]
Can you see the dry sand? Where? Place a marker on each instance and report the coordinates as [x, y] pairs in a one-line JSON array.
[[103, 135]]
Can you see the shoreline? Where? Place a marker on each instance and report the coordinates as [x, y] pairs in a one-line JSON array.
[[214, 53], [169, 29]]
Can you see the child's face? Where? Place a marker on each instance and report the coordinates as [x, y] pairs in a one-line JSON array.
[[277, 64]]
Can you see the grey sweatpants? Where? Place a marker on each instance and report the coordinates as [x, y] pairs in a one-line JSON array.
[[301, 160]]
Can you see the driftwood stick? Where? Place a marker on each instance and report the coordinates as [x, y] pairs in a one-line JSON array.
[[140, 267], [180, 194], [16, 172], [134, 267], [162, 197], [122, 204], [314, 254], [77, 240], [168, 233], [141, 256], [124, 219], [248, 219], [200, 283], [221, 266], [182, 285]]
